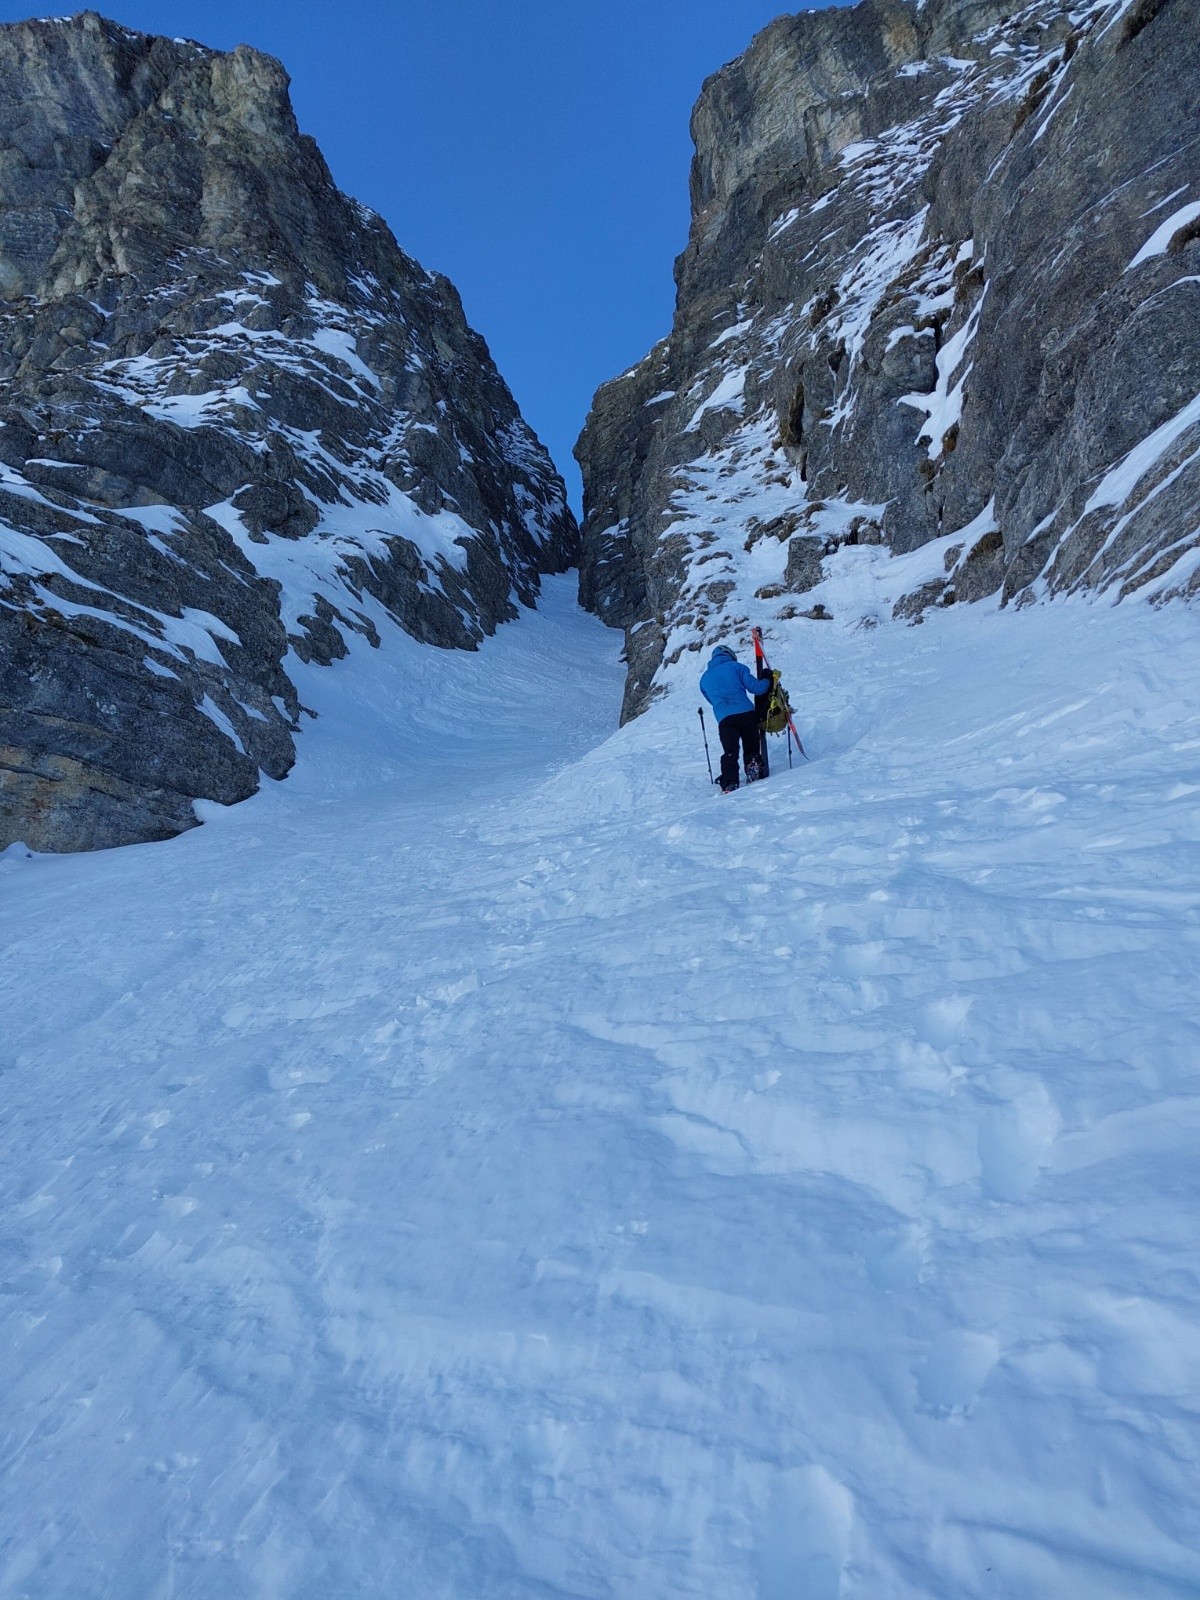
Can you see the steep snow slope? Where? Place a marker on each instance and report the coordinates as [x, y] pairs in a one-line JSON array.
[[492, 1164]]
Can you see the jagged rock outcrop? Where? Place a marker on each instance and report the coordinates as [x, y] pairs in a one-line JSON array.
[[236, 422], [942, 290]]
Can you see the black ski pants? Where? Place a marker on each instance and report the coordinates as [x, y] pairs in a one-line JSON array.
[[741, 729]]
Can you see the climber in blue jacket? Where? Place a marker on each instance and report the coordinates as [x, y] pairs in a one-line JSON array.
[[729, 687]]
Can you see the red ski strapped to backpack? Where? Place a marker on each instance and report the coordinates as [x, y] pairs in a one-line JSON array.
[[779, 708]]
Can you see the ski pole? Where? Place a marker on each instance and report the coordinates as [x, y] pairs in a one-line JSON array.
[[704, 735]]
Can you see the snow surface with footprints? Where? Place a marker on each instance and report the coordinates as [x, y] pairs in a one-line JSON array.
[[492, 1164]]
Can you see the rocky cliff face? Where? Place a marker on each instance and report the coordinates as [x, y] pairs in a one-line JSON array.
[[238, 426], [942, 292]]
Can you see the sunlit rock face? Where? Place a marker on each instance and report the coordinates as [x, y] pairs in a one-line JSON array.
[[942, 284], [239, 427]]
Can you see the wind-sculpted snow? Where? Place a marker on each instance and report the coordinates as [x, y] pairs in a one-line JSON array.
[[230, 409], [944, 266], [493, 1164]]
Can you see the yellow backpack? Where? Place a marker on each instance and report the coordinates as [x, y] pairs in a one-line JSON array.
[[779, 712]]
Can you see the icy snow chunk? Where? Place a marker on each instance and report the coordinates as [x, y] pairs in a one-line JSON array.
[[1055, 107], [317, 563], [943, 407], [21, 552], [73, 608], [159, 671], [884, 254], [155, 519], [1015, 1139], [1177, 576], [955, 1369], [193, 630], [15, 483], [1119, 483], [1147, 1348], [196, 630], [191, 410], [1157, 243], [731, 333], [213, 712], [341, 345], [804, 1538], [1166, 200], [727, 396], [209, 811]]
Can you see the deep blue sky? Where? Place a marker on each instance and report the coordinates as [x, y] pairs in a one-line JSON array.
[[535, 151]]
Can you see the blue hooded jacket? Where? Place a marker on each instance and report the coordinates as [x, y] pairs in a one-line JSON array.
[[728, 686]]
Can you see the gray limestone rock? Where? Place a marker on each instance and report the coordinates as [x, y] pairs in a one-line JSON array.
[[942, 284], [237, 423], [803, 570]]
